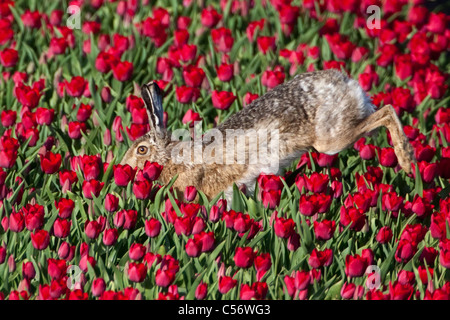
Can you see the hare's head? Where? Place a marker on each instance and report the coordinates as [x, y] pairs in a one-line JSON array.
[[151, 146]]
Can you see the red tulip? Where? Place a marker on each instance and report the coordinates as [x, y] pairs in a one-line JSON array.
[[8, 118], [84, 112], [254, 27], [123, 70], [85, 259], [355, 266], [347, 290], [388, 158], [163, 278], [271, 79], [152, 227], [111, 202], [257, 291], [26, 95], [284, 227], [123, 174], [76, 86], [34, 216], [75, 129], [308, 205], [244, 257], [40, 239], [137, 251], [271, 198], [384, 235], [266, 43], [16, 221], [302, 280], [186, 94], [65, 207], [98, 287], [142, 189], [398, 291], [320, 259], [226, 284], [9, 57], [225, 72], [152, 170], [50, 162], [406, 277], [67, 178], [183, 225], [249, 98], [222, 39], [61, 228], [58, 45], [92, 188], [44, 116], [110, 236], [92, 229], [405, 251], [444, 254], [210, 17], [56, 268], [28, 271], [193, 76], [201, 291], [324, 230], [193, 248], [130, 219]]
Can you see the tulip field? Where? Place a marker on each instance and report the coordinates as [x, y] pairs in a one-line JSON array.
[[77, 225]]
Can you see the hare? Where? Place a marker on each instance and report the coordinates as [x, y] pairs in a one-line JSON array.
[[322, 110]]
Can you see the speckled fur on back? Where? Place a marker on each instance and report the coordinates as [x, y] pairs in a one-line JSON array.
[[323, 110]]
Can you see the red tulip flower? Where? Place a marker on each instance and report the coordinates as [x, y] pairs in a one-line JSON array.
[[225, 72], [44, 116], [50, 162], [110, 237], [226, 284], [137, 251], [40, 239], [9, 57], [222, 39], [111, 202], [123, 174], [123, 70], [152, 170], [152, 227], [324, 230], [193, 76], [92, 188], [76, 86], [243, 257]]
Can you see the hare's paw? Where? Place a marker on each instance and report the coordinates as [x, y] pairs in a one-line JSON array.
[[406, 157]]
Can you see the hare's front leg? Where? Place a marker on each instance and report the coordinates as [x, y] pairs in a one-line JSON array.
[[385, 116]]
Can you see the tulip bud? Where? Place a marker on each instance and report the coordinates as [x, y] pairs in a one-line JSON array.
[[201, 291], [190, 193], [106, 94], [2, 254], [11, 264], [98, 287]]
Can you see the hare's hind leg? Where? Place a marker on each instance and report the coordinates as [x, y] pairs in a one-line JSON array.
[[385, 116], [402, 147]]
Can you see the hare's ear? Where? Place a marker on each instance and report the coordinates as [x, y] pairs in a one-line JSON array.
[[152, 95]]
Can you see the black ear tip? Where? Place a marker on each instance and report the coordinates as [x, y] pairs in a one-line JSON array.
[[152, 86]]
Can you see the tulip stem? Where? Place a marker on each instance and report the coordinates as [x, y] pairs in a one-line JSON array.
[[107, 256], [91, 210]]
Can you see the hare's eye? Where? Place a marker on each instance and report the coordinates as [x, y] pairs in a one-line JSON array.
[[142, 150]]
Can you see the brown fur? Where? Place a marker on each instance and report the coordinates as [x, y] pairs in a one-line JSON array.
[[324, 110]]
